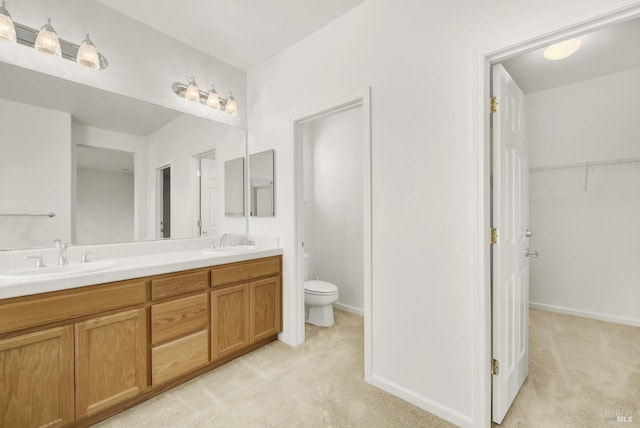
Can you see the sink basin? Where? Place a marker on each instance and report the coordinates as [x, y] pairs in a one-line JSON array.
[[230, 250], [58, 271]]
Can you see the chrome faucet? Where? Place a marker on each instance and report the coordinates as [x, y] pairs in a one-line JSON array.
[[223, 239], [62, 256]]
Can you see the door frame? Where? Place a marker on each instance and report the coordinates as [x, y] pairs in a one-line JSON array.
[[196, 183], [160, 199], [483, 57], [296, 302]]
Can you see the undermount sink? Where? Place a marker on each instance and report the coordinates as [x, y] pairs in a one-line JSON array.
[[58, 271], [230, 250]]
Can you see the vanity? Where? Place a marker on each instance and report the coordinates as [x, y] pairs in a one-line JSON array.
[[75, 356]]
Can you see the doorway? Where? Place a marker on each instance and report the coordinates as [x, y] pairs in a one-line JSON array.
[[482, 252], [164, 202], [207, 194], [361, 102]]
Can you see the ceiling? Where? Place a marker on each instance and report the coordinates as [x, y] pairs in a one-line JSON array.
[[87, 105], [242, 33], [609, 50], [99, 159]]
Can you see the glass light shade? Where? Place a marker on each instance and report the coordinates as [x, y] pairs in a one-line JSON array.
[[232, 106], [88, 55], [213, 100], [7, 28], [47, 41], [562, 50], [192, 93]]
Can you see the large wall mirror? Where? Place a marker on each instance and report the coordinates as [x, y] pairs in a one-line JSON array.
[[90, 167], [262, 184]]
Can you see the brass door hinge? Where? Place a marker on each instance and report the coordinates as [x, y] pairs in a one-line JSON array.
[[494, 235], [494, 105], [495, 366]]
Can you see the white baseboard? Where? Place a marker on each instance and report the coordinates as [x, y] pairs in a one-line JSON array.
[[348, 308], [585, 314], [422, 402]]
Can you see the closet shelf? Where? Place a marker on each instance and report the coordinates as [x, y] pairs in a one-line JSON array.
[[586, 164]]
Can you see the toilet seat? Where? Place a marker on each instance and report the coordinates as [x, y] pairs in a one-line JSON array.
[[319, 288]]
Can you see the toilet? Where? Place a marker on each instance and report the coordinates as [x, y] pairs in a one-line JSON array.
[[319, 297]]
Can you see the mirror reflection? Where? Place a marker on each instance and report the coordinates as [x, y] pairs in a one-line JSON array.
[[262, 184], [111, 168], [234, 187]]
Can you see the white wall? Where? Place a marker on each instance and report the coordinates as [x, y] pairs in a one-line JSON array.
[[418, 59], [35, 178], [333, 222], [177, 143], [104, 207], [96, 137], [589, 241], [143, 62]]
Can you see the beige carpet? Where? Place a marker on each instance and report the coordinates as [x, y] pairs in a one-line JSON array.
[[318, 384], [582, 372]]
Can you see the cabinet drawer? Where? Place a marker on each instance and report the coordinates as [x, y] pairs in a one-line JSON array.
[[180, 283], [179, 317], [25, 312], [180, 356], [244, 271]]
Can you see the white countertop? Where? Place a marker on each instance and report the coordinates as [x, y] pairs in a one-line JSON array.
[[132, 267]]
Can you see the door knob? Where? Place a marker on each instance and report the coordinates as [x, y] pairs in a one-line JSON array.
[[528, 233], [532, 254]]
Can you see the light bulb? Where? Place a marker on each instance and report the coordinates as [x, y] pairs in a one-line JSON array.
[[192, 93], [88, 54], [232, 106], [562, 50], [213, 100], [47, 41], [7, 28]]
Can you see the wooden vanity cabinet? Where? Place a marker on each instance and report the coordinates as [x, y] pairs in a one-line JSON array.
[[74, 357], [265, 308], [36, 378], [229, 320], [245, 305], [110, 360], [179, 324]]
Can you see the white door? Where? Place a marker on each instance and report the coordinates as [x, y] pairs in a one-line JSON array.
[[510, 216], [208, 196]]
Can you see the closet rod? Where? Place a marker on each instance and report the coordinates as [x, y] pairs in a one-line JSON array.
[[29, 215], [585, 164]]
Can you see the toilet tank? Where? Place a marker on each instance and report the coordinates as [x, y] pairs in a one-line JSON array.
[[306, 266]]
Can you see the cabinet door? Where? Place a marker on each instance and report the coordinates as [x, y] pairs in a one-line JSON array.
[[265, 308], [36, 378], [229, 320], [111, 360]]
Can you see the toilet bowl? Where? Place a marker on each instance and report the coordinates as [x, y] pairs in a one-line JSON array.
[[319, 297]]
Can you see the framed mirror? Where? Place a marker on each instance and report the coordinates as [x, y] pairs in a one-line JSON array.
[[90, 158], [234, 187], [262, 184]]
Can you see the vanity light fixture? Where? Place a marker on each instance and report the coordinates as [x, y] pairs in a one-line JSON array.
[[7, 28], [193, 92], [88, 54], [211, 99], [46, 41], [561, 50]]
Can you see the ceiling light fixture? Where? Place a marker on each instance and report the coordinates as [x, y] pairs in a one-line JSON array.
[[561, 50], [7, 29], [46, 41], [211, 99]]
